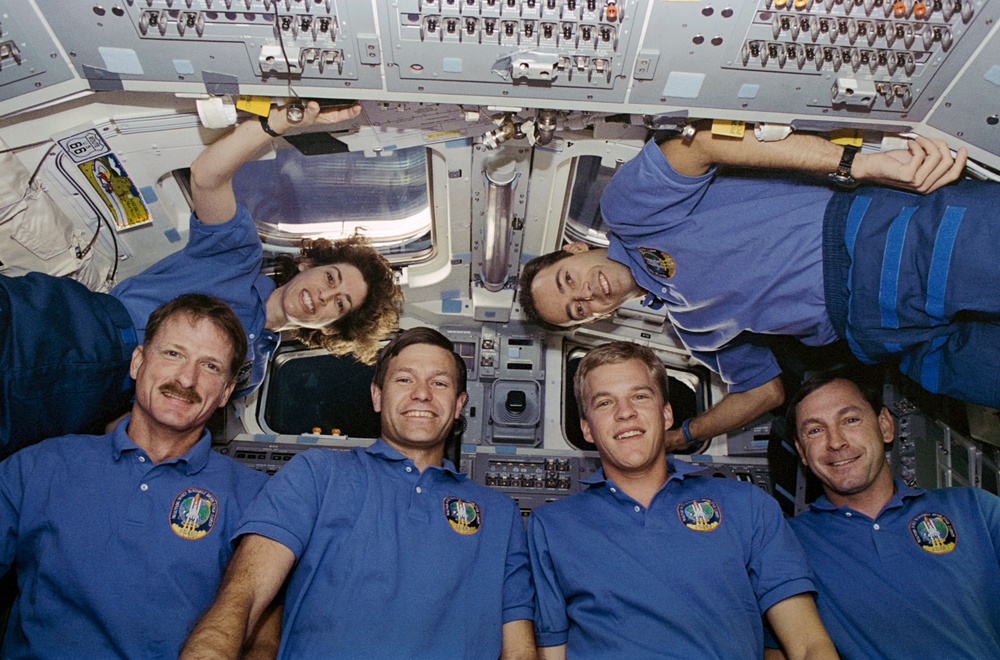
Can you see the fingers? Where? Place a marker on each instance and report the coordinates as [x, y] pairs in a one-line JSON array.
[[937, 167]]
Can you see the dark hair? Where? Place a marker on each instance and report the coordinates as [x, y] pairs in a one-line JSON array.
[[198, 306], [617, 352], [870, 392], [527, 298], [421, 335], [360, 331]]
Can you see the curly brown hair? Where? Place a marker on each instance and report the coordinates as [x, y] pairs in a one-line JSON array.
[[360, 331]]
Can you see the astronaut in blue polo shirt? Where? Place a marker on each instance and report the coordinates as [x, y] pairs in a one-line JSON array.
[[651, 561], [119, 541], [900, 572], [388, 551]]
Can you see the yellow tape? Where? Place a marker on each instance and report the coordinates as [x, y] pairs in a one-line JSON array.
[[727, 128], [258, 105], [846, 137]]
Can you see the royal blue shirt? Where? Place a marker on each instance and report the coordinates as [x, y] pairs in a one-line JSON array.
[[729, 255], [390, 561], [921, 580], [689, 577], [221, 260], [115, 556]]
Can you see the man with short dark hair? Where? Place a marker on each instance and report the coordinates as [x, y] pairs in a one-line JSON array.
[[387, 551], [738, 252], [651, 561], [120, 540], [900, 571]]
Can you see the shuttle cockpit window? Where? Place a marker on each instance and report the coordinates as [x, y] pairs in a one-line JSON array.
[[583, 218], [332, 195]]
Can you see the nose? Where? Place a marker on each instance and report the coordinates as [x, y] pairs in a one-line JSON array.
[[835, 439], [624, 410], [420, 391], [187, 374]]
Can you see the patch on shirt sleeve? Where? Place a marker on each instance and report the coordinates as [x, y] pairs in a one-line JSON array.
[[699, 515], [193, 513], [658, 263], [464, 517], [933, 532]]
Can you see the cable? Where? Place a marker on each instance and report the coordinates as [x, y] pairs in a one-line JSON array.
[[100, 217], [24, 146]]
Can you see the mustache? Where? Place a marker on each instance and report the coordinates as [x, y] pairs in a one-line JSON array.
[[175, 389]]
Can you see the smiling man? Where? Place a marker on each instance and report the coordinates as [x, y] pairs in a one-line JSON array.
[[119, 541], [388, 551], [901, 571], [651, 561]]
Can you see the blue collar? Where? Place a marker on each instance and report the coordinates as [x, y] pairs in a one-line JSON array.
[[675, 469], [902, 492], [387, 452], [194, 459]]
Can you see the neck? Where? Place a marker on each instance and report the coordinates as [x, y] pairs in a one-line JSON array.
[[871, 500], [422, 457], [159, 443], [640, 485], [276, 320]]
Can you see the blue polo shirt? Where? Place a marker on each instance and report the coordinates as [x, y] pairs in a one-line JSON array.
[[921, 580], [115, 556], [731, 255], [220, 260], [392, 562], [689, 577]]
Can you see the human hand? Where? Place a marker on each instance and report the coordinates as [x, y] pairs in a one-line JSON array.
[[925, 165], [311, 114], [674, 441]]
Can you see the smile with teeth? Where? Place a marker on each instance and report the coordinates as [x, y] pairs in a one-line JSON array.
[[418, 413], [173, 391], [602, 281], [307, 302], [626, 435], [843, 462]]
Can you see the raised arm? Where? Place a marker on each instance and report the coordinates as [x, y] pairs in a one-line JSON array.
[[213, 170], [797, 626], [257, 570], [732, 412], [926, 164]]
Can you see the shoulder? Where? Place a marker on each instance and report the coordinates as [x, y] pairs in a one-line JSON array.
[[567, 508]]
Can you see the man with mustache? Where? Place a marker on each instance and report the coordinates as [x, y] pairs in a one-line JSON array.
[[388, 551], [120, 540], [900, 571]]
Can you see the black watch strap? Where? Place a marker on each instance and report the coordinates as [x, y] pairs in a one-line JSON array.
[[267, 127], [842, 175]]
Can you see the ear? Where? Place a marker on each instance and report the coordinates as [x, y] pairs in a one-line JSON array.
[[137, 358], [887, 425], [376, 398], [460, 403], [668, 416], [229, 391], [303, 266], [587, 433], [798, 448], [576, 247]]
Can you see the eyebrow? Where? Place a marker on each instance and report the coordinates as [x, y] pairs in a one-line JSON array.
[[846, 409]]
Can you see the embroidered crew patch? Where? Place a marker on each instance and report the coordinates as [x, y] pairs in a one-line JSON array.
[[193, 513], [699, 515], [464, 517], [658, 262], [933, 532]]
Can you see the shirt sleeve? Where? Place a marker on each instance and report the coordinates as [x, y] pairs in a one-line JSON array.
[[778, 568], [551, 621], [235, 240], [287, 507], [518, 592], [743, 364]]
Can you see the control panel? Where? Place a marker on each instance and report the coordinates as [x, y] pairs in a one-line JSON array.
[[815, 64]]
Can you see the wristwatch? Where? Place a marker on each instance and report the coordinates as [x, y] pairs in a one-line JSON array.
[[842, 175]]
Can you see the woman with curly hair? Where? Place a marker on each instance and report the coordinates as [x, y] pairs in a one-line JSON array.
[[339, 295]]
